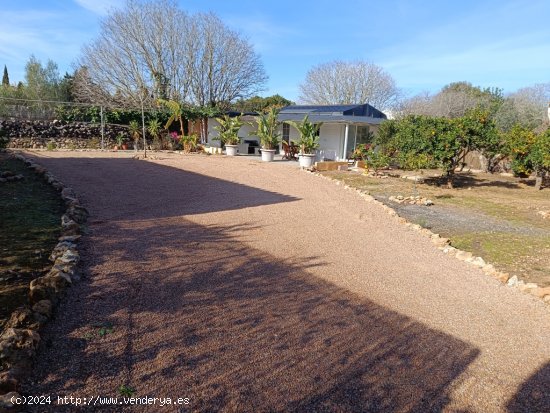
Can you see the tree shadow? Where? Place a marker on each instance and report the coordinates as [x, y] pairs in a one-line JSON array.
[[197, 314], [467, 180], [145, 190], [534, 394]]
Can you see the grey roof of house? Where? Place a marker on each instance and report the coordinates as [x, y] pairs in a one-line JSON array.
[[351, 120], [352, 114]]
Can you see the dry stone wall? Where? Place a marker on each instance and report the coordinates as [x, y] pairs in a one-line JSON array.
[[26, 134]]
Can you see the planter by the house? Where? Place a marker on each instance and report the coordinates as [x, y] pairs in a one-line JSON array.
[[231, 150], [268, 155], [307, 160], [124, 147]]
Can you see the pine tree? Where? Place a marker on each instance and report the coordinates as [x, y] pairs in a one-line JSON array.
[[5, 78]]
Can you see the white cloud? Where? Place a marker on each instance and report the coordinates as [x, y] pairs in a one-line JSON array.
[[100, 7]]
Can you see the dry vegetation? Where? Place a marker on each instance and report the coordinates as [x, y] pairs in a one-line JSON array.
[[495, 217]]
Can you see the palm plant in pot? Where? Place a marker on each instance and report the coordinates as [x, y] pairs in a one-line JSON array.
[[228, 132], [308, 142], [135, 132], [267, 125], [120, 142]]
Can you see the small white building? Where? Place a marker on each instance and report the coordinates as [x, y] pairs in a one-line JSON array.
[[343, 128]]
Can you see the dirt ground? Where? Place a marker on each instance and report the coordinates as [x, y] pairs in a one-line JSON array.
[[493, 216], [254, 287]]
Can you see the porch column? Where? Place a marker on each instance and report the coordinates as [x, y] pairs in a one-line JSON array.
[[346, 134]]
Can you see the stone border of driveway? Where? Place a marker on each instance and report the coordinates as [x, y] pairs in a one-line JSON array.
[[443, 244], [20, 340]]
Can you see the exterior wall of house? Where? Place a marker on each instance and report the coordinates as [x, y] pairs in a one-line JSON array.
[[331, 141], [243, 132]]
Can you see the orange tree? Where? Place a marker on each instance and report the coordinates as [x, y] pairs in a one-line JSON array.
[[539, 156], [418, 141]]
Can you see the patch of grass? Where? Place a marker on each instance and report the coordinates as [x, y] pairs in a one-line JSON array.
[[526, 256], [126, 391], [30, 215]]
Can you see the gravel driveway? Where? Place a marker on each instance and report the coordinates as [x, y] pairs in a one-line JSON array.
[[253, 287]]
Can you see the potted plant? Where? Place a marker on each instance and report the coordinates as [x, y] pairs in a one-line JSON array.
[[135, 132], [308, 142], [266, 130], [228, 132], [154, 129], [120, 142]]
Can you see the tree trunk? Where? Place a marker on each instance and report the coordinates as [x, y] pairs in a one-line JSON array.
[[538, 182], [450, 180]]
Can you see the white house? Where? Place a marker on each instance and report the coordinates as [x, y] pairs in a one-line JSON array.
[[343, 128]]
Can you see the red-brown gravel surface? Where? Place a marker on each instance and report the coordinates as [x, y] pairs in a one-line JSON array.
[[254, 287]]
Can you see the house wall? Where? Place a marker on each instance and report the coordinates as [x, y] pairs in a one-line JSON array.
[[244, 132], [331, 141]]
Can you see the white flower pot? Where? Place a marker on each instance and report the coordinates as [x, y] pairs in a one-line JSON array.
[[268, 155], [231, 150], [307, 160]]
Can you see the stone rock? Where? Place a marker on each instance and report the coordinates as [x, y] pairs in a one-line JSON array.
[[18, 346], [20, 318], [449, 250], [43, 307], [60, 249], [544, 214], [528, 287], [503, 277], [39, 289], [78, 214], [463, 255], [489, 269], [8, 382], [478, 261], [6, 400], [542, 292], [513, 281], [70, 238], [70, 256]]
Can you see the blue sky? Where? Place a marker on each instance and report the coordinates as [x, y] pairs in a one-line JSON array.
[[424, 45]]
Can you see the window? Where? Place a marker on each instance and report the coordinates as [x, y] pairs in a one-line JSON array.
[[363, 135], [286, 132]]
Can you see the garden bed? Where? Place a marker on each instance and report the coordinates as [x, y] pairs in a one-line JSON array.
[[29, 228]]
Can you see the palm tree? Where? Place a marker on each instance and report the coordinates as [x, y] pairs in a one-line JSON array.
[[135, 132], [153, 127], [267, 129], [176, 113], [309, 139]]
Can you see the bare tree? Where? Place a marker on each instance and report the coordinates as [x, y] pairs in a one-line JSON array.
[[151, 49], [526, 107], [224, 66], [452, 101], [340, 82], [137, 56]]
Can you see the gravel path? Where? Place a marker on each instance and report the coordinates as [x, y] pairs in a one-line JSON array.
[[252, 287], [445, 220]]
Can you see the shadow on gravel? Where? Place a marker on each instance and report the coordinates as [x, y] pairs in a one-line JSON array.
[[534, 395], [176, 309], [129, 189], [197, 314]]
